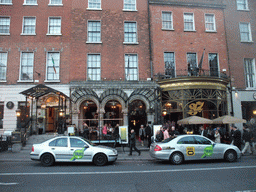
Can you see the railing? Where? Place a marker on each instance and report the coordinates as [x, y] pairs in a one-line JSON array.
[[169, 74]]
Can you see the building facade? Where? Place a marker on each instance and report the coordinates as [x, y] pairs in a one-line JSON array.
[[240, 24], [190, 57]]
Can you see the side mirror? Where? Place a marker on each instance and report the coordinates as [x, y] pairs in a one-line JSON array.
[[86, 146]]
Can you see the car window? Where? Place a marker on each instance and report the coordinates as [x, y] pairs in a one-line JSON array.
[[61, 142], [77, 143], [203, 141], [167, 140], [186, 140]]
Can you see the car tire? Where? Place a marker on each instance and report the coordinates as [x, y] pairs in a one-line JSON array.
[[176, 158], [100, 159], [47, 159], [230, 156]]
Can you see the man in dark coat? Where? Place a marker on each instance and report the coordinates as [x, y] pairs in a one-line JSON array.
[[237, 136], [148, 134], [133, 143], [116, 134], [203, 132]]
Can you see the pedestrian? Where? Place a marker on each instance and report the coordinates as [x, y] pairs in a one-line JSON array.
[[217, 136], [166, 133], [148, 134], [116, 134], [174, 132], [253, 139], [142, 134], [246, 138], [159, 138], [133, 143], [202, 131], [237, 140], [161, 133]]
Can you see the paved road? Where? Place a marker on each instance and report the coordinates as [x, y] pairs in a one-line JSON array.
[[130, 176]]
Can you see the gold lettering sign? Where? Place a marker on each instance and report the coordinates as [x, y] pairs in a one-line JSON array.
[[195, 108]]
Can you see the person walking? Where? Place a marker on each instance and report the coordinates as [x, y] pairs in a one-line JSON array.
[[237, 140], [148, 134], [166, 133], [142, 134], [217, 136], [246, 138], [133, 143]]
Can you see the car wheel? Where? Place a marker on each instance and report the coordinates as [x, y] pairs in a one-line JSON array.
[[100, 159], [230, 156], [47, 159], [176, 158]]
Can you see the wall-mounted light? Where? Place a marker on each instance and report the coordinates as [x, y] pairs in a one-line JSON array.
[[18, 112], [43, 106], [254, 112], [164, 112], [61, 113]]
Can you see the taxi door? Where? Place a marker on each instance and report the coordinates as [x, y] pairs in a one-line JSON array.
[[203, 148], [187, 146], [59, 147], [79, 150]]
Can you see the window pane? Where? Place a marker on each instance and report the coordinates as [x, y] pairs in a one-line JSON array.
[[214, 66], [167, 20], [209, 22], [29, 25], [27, 60], [4, 24], [130, 4], [3, 64], [169, 64], [94, 31], [55, 26], [249, 72], [130, 32], [94, 67], [131, 67], [242, 4], [245, 32], [188, 21], [56, 2], [53, 66], [31, 2], [5, 1], [94, 4]]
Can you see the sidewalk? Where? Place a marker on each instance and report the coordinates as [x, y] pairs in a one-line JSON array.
[[17, 154]]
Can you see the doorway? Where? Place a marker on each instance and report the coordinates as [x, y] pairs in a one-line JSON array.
[[51, 119]]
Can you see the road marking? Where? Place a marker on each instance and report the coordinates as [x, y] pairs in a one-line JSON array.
[[9, 183], [127, 172]]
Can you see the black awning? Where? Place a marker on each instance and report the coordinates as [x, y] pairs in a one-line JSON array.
[[41, 90]]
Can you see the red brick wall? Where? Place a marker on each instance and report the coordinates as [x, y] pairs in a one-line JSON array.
[[15, 41], [237, 50], [112, 49], [181, 42]]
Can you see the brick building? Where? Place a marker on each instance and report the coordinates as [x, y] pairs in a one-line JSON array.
[[191, 84], [240, 24]]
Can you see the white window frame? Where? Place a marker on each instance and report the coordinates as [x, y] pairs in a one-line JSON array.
[[125, 3], [136, 68], [246, 4], [249, 32], [49, 18], [214, 22], [23, 26], [93, 8], [88, 32], [20, 75], [57, 74], [171, 73], [246, 75], [9, 25], [98, 76], [3, 3], [6, 61], [52, 4], [193, 73], [136, 40], [25, 3], [189, 22], [218, 65], [168, 21]]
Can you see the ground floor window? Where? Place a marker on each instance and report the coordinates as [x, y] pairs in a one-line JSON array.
[[1, 114]]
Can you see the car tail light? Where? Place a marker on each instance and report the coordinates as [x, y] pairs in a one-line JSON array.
[[157, 148], [33, 149]]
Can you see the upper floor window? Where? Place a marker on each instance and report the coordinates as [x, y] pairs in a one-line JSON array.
[[189, 23], [192, 64], [245, 32], [249, 67], [169, 64], [213, 64], [26, 66], [130, 5], [53, 66], [167, 22], [94, 31], [55, 2], [94, 67], [30, 2], [54, 26], [29, 25], [210, 22], [94, 4], [131, 67], [3, 66], [130, 32], [242, 4], [4, 25], [5, 1]]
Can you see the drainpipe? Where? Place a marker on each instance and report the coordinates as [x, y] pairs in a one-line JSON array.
[[150, 46]]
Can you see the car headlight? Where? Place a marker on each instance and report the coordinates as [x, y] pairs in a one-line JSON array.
[[114, 151]]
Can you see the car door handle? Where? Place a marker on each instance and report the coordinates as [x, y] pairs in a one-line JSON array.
[[71, 149], [53, 148]]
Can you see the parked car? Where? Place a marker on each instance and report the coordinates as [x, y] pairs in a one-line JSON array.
[[192, 147], [72, 149]]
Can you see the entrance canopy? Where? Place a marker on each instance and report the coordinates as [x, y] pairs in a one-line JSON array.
[[41, 90]]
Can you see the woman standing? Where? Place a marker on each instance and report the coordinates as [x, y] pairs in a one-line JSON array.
[[217, 136], [142, 134]]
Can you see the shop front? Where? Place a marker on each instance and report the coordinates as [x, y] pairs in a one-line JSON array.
[[187, 96]]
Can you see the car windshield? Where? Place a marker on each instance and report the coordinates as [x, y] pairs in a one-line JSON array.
[[167, 140], [88, 141]]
